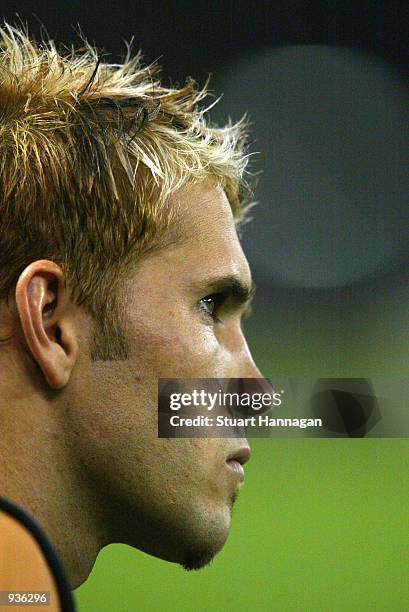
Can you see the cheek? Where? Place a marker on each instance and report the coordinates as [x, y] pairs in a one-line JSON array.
[[178, 348]]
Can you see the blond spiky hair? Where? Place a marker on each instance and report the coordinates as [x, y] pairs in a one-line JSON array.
[[89, 154]]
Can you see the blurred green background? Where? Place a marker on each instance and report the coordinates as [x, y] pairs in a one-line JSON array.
[[321, 524]]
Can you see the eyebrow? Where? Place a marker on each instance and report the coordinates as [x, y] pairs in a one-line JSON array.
[[232, 286]]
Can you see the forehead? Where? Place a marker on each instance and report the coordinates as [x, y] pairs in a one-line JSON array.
[[206, 244], [206, 228], [202, 212]]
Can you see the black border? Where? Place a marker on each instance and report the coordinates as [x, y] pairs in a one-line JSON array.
[[66, 599]]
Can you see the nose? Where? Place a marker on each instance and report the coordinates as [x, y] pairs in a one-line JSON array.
[[247, 367], [251, 370], [240, 362]]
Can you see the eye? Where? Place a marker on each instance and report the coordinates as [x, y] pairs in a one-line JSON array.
[[211, 304]]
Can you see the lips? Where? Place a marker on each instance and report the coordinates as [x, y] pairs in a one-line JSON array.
[[237, 459]]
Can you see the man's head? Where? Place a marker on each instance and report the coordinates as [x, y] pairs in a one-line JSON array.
[[120, 264]]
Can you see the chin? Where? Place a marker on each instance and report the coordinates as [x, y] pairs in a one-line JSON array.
[[191, 539], [210, 539], [197, 556], [191, 549], [196, 559]]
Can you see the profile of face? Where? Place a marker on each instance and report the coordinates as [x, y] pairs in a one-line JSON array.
[[168, 497]]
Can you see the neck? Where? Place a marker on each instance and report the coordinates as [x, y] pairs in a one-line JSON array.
[[37, 473]]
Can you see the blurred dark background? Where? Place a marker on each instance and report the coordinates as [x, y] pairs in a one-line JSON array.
[[197, 37]]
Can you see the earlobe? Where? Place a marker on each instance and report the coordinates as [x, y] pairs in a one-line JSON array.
[[46, 321]]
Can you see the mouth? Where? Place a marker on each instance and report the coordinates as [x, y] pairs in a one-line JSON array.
[[237, 459]]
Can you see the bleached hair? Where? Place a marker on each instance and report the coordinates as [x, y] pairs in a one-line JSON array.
[[90, 153]]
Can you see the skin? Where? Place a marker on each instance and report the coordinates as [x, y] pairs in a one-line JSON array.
[[85, 459]]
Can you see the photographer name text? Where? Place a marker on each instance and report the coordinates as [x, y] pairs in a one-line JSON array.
[[251, 421]]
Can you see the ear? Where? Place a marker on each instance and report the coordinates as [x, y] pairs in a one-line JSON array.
[[47, 321]]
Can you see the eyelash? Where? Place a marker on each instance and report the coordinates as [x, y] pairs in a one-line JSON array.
[[218, 300]]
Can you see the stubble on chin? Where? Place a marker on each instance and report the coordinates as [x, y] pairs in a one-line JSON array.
[[199, 558]]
